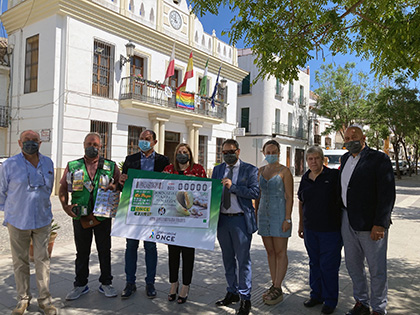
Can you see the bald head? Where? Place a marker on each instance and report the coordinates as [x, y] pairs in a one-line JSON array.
[[352, 137], [29, 133]]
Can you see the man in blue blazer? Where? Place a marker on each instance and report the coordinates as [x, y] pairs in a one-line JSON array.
[[368, 196], [237, 223]]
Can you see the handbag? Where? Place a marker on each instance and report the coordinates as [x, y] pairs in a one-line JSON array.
[[89, 221]]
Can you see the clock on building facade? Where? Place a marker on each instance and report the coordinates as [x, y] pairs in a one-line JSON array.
[[175, 20]]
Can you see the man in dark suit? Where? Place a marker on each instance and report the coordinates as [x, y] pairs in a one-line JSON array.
[[368, 196], [237, 223], [147, 160]]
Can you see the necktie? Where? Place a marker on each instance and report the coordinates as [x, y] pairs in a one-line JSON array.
[[226, 192]]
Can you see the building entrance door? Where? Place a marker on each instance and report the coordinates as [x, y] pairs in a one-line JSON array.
[[171, 141], [299, 160]]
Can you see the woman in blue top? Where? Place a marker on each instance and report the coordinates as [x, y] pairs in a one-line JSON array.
[[274, 211]]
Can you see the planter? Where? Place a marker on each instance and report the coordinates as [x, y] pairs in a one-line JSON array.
[[53, 235]]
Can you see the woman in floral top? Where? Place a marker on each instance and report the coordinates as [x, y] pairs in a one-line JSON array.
[[183, 165]]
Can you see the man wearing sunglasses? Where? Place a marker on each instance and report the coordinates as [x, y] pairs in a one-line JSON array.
[[237, 223], [26, 182]]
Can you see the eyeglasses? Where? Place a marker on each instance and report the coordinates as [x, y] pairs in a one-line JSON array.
[[229, 151], [36, 182]]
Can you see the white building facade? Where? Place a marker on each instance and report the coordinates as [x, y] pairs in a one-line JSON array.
[[72, 75], [272, 110], [4, 94]]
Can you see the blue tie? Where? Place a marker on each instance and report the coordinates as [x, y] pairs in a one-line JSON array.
[[226, 192]]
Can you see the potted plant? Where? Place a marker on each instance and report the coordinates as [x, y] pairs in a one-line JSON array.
[[53, 235]]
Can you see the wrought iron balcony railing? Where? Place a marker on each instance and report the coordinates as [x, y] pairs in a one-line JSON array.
[[155, 93], [290, 131]]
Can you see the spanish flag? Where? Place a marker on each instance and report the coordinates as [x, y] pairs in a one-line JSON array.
[[188, 74], [184, 100]]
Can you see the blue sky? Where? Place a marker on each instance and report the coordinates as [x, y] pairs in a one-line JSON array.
[[3, 4]]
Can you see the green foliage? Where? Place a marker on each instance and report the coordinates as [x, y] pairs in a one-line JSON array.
[[341, 97], [285, 35]]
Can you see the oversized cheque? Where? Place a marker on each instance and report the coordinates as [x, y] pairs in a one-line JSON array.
[[168, 208]]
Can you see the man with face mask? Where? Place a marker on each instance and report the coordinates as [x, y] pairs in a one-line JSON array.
[[237, 223], [26, 184], [147, 160], [82, 178], [368, 196]]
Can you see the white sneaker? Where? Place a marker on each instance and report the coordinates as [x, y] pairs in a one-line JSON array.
[[76, 293], [108, 290]]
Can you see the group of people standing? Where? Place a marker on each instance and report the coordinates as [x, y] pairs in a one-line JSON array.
[[358, 199]]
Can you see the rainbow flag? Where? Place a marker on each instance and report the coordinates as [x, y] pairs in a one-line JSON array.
[[184, 100]]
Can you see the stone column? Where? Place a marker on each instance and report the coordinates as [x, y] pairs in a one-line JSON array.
[[158, 122]]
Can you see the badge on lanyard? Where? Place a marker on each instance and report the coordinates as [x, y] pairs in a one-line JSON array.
[[106, 167], [78, 180], [88, 185]]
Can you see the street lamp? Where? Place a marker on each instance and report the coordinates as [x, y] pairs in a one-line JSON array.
[[129, 52]]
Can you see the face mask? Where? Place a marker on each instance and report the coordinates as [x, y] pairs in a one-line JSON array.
[[230, 159], [144, 145], [91, 152], [271, 158], [30, 147], [182, 158], [353, 146]]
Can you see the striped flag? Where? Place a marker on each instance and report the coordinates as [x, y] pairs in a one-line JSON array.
[[188, 74], [215, 88], [171, 67], [184, 100], [203, 84]]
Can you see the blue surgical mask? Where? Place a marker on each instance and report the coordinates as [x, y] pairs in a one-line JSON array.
[[271, 158], [144, 145]]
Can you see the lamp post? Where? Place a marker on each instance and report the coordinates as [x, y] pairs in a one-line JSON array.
[[129, 52]]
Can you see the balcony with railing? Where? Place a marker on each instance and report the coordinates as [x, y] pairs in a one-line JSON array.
[[289, 131], [153, 96], [4, 116]]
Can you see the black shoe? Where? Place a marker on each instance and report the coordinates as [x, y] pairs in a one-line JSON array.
[[182, 300], [359, 309], [311, 302], [327, 309], [244, 308], [150, 291], [229, 299], [129, 289]]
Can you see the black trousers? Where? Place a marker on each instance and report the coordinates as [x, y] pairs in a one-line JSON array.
[[83, 240], [187, 263]]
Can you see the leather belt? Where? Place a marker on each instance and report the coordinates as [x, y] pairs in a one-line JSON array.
[[233, 214]]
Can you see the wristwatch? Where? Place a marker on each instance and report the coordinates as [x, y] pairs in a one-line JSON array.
[[288, 220]]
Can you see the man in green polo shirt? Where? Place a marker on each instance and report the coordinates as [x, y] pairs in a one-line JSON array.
[[82, 178]]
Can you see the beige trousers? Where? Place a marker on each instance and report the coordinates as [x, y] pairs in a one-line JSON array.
[[19, 245]]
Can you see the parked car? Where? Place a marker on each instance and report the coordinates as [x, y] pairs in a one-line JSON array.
[[403, 166], [333, 157]]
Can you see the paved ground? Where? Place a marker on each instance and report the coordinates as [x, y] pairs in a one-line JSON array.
[[208, 281]]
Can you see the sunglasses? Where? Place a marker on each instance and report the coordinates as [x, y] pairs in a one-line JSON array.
[[229, 151]]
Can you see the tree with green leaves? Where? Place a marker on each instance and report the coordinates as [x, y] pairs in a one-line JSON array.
[[397, 107], [341, 96], [285, 34]]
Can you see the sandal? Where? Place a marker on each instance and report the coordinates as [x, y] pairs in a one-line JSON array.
[[274, 297], [181, 299], [172, 297], [267, 292]]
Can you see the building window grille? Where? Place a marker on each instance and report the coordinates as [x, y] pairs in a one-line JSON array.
[[104, 129], [202, 151], [103, 61], [133, 139]]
